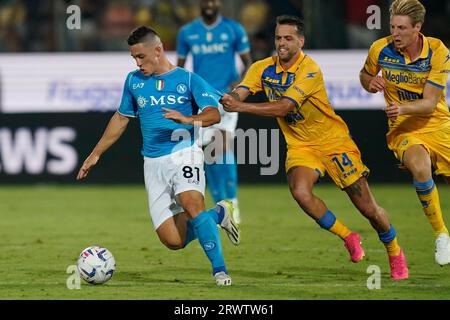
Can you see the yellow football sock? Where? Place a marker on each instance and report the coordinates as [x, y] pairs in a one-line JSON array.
[[392, 248], [339, 229], [429, 197]]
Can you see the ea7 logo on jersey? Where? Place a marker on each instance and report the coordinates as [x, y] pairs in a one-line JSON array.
[[138, 85], [170, 100]]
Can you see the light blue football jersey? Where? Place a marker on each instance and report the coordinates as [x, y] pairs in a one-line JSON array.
[[213, 49], [181, 90]]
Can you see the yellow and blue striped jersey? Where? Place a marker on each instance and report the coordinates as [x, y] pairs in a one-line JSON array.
[[313, 121], [405, 80]]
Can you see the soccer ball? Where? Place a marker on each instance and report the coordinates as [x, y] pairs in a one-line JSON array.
[[96, 265]]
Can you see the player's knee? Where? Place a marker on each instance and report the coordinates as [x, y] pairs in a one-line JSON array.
[[194, 210], [420, 169], [302, 195]]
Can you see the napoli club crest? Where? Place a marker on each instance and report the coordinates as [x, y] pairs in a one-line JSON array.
[[181, 88]]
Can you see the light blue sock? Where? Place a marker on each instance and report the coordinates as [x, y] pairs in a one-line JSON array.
[[190, 233], [215, 180], [230, 176], [208, 235], [216, 214]]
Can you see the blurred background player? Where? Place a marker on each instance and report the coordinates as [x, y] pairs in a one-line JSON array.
[[318, 140], [173, 169], [213, 41], [413, 79]]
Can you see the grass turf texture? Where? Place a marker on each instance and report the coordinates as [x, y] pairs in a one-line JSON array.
[[283, 253]]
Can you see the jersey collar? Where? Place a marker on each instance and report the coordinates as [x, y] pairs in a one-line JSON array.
[[211, 26], [294, 67], [425, 47], [423, 54]]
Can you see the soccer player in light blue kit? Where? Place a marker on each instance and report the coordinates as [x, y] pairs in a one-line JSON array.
[[166, 100], [213, 41]]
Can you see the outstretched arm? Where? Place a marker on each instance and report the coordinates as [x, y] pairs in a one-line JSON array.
[[113, 131], [278, 108]]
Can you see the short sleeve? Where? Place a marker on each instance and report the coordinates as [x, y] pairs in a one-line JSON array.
[[242, 44], [127, 105], [371, 65], [252, 79], [182, 45], [440, 66], [305, 85], [203, 93]]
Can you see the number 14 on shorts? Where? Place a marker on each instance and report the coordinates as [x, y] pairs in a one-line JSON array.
[[345, 161]]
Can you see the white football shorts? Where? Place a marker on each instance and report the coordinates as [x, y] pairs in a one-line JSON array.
[[169, 175]]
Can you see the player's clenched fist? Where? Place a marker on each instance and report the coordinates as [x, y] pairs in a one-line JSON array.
[[230, 104]]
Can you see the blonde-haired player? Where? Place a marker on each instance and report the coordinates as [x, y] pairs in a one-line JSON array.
[[414, 70]]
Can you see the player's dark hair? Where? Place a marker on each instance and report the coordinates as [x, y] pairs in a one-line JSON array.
[[293, 21], [141, 34]]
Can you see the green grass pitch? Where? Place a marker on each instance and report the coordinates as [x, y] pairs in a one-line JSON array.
[[283, 253]]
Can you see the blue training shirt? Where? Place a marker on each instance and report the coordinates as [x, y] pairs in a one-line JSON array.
[[213, 49], [178, 89]]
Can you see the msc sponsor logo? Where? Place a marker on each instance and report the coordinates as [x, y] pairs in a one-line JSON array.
[[210, 48], [170, 100], [403, 77]]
